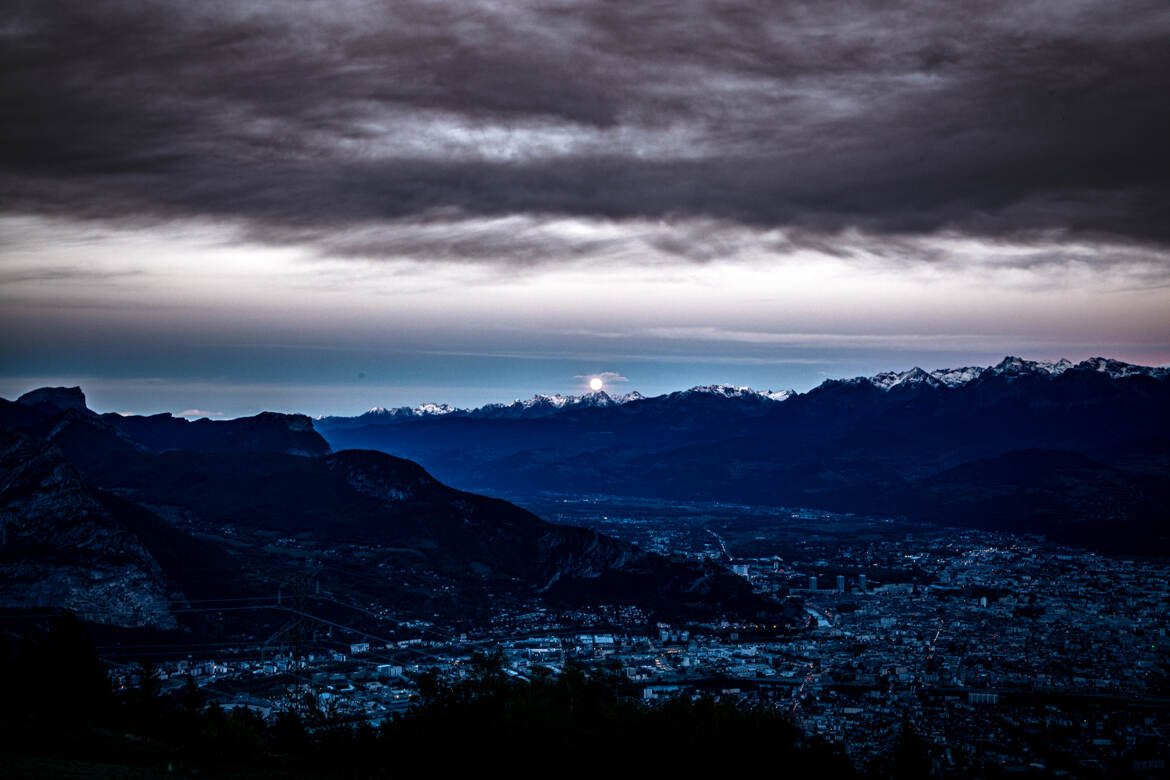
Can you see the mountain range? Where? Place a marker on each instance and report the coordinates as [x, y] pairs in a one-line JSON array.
[[540, 405], [1080, 452], [130, 520]]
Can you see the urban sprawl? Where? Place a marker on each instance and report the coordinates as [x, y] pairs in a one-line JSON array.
[[996, 649]]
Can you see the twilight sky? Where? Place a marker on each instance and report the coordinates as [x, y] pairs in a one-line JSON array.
[[326, 206]]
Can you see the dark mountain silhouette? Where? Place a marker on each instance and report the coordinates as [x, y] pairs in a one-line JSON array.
[[1063, 494], [60, 414], [265, 432], [56, 399], [261, 476], [366, 497]]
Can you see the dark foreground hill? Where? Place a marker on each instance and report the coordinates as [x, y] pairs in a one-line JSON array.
[[68, 545], [242, 521], [358, 498]]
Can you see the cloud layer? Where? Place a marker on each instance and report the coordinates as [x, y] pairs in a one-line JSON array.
[[436, 131]]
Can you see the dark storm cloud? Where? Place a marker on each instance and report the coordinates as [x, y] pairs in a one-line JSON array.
[[322, 122]]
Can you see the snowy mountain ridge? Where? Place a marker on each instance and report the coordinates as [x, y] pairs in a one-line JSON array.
[[422, 410], [734, 391], [542, 404], [1010, 367]]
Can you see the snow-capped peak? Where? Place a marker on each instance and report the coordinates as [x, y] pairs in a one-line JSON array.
[[916, 376], [957, 377], [422, 410], [1017, 366], [592, 398], [1115, 369], [1011, 368], [595, 398], [433, 408], [555, 400], [737, 391], [548, 403]]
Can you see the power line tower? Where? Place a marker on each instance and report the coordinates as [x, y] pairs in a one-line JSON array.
[[296, 631], [301, 584]]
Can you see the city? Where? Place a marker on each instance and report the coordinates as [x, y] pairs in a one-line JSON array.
[[996, 649]]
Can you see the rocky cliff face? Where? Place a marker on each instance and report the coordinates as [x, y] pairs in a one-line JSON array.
[[61, 548], [60, 414], [59, 399], [265, 432]]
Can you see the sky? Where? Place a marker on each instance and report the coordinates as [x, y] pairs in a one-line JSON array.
[[224, 207]]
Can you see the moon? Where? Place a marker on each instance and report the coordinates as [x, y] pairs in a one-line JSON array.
[[596, 384]]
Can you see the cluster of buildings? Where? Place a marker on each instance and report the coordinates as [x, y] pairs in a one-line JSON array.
[[997, 650]]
